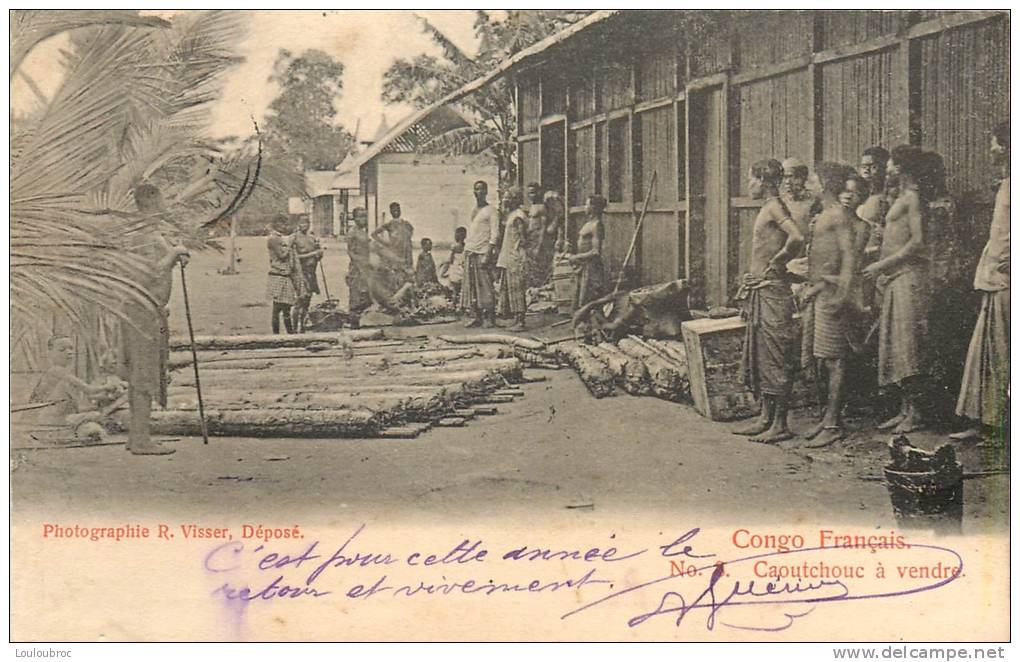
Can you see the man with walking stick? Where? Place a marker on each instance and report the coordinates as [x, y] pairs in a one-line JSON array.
[[146, 335]]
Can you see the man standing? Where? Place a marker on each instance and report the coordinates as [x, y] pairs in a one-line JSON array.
[[984, 393], [795, 194], [830, 272], [513, 261], [872, 170], [358, 252], [902, 280], [398, 236], [770, 351], [476, 291], [146, 333]]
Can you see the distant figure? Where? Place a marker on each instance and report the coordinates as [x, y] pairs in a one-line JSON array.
[[590, 279], [477, 295], [513, 260], [451, 272], [769, 360], [426, 280], [984, 393], [801, 202], [901, 277], [309, 253], [282, 286], [398, 236], [825, 299], [148, 333], [358, 251]]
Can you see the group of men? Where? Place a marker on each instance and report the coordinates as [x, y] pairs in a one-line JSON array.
[[502, 255], [832, 269]]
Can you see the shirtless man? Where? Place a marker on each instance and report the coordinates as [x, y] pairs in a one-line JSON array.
[[143, 337], [769, 360], [874, 161], [541, 237], [830, 272], [901, 278], [398, 236], [794, 193]]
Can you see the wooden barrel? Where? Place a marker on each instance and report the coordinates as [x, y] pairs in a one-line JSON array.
[[563, 287]]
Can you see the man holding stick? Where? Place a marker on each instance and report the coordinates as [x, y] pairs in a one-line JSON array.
[[147, 332]]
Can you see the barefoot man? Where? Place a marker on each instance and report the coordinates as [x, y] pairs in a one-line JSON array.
[[795, 195], [142, 338], [901, 278], [770, 351], [830, 272], [476, 291], [984, 394]]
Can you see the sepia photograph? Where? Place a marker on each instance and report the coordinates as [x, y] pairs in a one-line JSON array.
[[510, 325]]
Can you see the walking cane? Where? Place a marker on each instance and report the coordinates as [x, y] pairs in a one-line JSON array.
[[325, 286], [637, 231], [194, 357]]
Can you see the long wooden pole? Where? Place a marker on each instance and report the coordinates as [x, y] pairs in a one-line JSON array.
[[637, 230], [325, 286], [194, 357]]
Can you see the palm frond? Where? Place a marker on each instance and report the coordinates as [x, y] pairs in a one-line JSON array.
[[451, 51], [30, 27]]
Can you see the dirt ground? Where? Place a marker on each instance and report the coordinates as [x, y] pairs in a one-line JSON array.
[[555, 450]]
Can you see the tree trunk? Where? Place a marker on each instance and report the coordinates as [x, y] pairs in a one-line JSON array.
[[669, 379], [593, 372], [228, 380], [270, 341], [484, 338], [671, 349], [227, 359], [630, 373], [321, 423]]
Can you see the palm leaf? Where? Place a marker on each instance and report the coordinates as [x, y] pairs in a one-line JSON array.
[[451, 51], [29, 28]]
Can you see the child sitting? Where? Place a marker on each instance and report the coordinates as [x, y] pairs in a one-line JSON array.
[[425, 280]]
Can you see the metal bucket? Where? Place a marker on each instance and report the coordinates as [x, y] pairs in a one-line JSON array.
[[927, 499]]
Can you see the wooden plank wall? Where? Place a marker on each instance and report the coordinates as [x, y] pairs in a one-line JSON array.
[[964, 94], [813, 84], [529, 101], [660, 240], [528, 166], [861, 105]]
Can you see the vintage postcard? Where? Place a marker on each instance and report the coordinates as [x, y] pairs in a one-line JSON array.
[[510, 325]]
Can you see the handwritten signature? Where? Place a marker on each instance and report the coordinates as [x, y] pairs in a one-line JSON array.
[[722, 593]]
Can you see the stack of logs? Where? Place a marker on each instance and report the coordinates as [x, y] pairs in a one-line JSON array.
[[637, 366], [353, 384]]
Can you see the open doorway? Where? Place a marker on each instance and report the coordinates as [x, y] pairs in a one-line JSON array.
[[552, 162]]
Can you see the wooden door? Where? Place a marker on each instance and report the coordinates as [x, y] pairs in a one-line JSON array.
[[553, 159], [707, 237]]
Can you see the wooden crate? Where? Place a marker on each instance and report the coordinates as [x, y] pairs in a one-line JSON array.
[[714, 349]]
